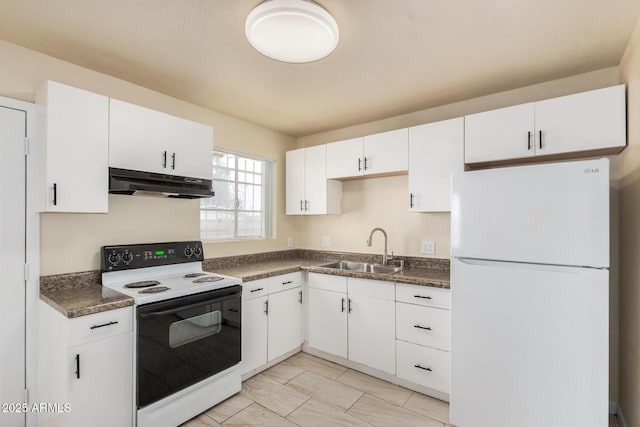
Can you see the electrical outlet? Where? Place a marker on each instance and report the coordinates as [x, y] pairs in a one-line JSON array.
[[290, 242], [428, 247], [326, 241]]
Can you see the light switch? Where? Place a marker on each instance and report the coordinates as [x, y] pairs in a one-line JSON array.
[[428, 247]]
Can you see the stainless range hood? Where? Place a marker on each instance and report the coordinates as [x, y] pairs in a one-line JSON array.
[[125, 181]]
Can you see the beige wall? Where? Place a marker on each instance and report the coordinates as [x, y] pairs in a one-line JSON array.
[[630, 240], [71, 242]]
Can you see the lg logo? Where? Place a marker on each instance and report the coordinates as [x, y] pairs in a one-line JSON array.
[[594, 170]]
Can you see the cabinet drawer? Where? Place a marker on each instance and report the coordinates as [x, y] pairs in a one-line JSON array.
[[423, 295], [328, 282], [423, 365], [100, 325], [371, 288], [285, 281], [424, 325], [255, 289]]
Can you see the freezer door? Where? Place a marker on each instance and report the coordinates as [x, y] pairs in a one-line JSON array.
[[554, 213], [529, 345]]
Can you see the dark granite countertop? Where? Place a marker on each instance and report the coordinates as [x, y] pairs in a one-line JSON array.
[[418, 271], [79, 294]]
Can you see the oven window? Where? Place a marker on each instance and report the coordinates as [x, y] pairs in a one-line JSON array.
[[194, 328]]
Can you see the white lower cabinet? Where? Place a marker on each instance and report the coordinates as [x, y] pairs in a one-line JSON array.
[[425, 366], [366, 310], [86, 362], [271, 319]]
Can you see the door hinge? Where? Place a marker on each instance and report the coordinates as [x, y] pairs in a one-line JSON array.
[[26, 396], [26, 272], [26, 146]]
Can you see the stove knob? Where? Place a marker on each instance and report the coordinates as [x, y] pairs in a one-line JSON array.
[[114, 259], [127, 257], [197, 251], [188, 252]]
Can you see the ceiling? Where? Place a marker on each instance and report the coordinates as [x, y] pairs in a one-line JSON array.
[[394, 56]]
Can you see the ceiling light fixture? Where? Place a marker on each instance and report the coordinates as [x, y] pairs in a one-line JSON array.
[[292, 30]]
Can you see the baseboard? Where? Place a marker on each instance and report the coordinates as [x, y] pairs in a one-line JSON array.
[[621, 421]]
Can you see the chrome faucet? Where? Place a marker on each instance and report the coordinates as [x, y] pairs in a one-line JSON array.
[[384, 254]]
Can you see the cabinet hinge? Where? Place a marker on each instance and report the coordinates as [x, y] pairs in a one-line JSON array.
[[26, 396], [26, 272], [26, 146]]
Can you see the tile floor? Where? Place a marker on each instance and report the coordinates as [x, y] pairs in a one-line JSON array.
[[308, 391]]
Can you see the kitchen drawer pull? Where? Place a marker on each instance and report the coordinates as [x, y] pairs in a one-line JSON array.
[[411, 200], [104, 324], [306, 205], [529, 140], [256, 289], [287, 283], [422, 296], [540, 139], [173, 161], [164, 159], [301, 206], [422, 367], [55, 194], [359, 164], [77, 366], [422, 327], [365, 163], [349, 305], [233, 310], [266, 307], [342, 309], [300, 299]]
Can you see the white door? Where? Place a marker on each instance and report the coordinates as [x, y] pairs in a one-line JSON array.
[[386, 152], [315, 179], [531, 343], [584, 121], [102, 396], [254, 333], [294, 180], [435, 152], [285, 318], [372, 332], [190, 147], [12, 259], [345, 158], [138, 138], [507, 133], [555, 213], [328, 321]]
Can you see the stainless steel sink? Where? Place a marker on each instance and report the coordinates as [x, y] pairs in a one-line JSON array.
[[363, 267]]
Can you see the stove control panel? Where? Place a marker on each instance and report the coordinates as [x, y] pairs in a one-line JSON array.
[[126, 257]]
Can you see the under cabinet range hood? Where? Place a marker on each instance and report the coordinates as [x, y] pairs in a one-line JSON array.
[[126, 181]]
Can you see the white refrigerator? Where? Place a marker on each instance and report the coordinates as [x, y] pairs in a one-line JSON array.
[[530, 296]]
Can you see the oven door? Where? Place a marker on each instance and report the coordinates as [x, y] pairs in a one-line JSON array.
[[185, 340]]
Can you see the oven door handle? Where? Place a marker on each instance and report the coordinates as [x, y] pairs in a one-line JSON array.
[[190, 306]]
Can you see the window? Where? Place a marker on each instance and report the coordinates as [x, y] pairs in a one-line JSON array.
[[243, 203]]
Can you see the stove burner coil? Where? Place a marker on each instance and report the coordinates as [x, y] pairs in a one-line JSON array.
[[192, 275], [208, 279], [142, 284], [154, 290]]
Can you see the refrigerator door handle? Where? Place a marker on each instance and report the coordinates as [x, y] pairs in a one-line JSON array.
[[527, 266]]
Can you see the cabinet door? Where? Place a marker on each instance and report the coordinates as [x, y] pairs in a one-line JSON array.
[[386, 152], [254, 334], [315, 179], [585, 121], [345, 158], [190, 148], [103, 395], [295, 182], [77, 144], [285, 319], [435, 152], [328, 321], [372, 332], [507, 133], [138, 138]]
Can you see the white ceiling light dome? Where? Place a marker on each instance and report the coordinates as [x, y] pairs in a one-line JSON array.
[[292, 30]]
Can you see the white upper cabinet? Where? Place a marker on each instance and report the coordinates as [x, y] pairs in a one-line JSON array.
[[381, 153], [589, 122], [73, 156], [582, 122], [435, 152], [308, 190], [147, 140]]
